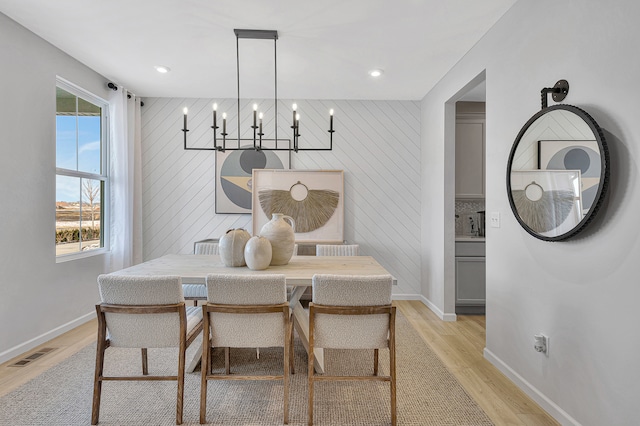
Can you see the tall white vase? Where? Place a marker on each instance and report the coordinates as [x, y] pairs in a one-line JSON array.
[[282, 237]]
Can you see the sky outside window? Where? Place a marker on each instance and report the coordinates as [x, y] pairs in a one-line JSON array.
[[77, 140]]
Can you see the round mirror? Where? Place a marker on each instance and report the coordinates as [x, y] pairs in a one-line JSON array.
[[558, 172]]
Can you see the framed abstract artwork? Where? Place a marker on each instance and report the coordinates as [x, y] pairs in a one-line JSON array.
[[574, 155], [234, 176], [313, 198], [547, 201]]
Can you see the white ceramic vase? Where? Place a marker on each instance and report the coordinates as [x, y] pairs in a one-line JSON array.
[[282, 237], [231, 247], [257, 253]]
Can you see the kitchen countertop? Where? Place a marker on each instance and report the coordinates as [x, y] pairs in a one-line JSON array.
[[467, 238]]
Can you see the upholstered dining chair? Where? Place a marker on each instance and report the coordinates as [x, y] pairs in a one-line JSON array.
[[245, 311], [352, 312], [195, 291], [143, 312], [337, 249]]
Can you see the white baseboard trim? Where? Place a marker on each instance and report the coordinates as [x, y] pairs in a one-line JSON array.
[[406, 297], [45, 337], [431, 306], [549, 406], [437, 311]]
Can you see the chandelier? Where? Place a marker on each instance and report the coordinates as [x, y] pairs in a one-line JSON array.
[[220, 141]]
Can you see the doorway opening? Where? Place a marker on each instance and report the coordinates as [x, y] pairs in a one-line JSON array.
[[466, 119]]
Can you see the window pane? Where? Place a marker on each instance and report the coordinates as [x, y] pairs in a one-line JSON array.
[[78, 133], [66, 130], [89, 144], [90, 222], [89, 132], [80, 175], [67, 214]]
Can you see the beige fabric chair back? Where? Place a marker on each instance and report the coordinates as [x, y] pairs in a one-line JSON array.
[[206, 248], [351, 331], [244, 330], [142, 331], [337, 249]]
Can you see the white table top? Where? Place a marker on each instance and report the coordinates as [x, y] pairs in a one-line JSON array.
[[194, 268]]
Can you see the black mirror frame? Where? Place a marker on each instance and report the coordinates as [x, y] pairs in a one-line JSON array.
[[604, 171]]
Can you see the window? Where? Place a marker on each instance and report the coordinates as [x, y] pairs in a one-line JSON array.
[[81, 171]]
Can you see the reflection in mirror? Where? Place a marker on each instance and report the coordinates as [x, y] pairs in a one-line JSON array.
[[557, 172]]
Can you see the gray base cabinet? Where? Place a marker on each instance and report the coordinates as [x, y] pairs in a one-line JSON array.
[[470, 278]]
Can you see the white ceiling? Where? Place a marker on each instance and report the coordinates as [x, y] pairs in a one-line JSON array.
[[325, 47]]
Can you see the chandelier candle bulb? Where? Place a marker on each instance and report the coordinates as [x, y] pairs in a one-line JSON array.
[[330, 119], [294, 107], [215, 118], [255, 111], [185, 110]]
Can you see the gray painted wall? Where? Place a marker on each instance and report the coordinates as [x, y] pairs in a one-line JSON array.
[[39, 299], [582, 293], [377, 144]]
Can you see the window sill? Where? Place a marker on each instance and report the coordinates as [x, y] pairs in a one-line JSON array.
[[81, 255]]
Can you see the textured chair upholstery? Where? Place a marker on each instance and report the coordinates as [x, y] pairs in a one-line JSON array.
[[352, 312], [143, 312], [245, 311], [197, 292], [241, 330], [337, 249]]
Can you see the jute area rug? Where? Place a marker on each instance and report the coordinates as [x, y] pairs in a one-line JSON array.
[[427, 393]]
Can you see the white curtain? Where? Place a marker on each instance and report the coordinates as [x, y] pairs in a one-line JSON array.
[[125, 225]]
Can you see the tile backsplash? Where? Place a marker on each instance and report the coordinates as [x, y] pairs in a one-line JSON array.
[[464, 207]]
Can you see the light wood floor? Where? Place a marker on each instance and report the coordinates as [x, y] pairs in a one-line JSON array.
[[458, 344]]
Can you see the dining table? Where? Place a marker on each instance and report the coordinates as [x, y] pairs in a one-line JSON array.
[[298, 273]]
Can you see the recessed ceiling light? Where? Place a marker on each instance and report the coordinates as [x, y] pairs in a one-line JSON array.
[[162, 69], [375, 73]]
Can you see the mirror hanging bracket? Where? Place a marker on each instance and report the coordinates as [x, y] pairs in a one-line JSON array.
[[558, 92]]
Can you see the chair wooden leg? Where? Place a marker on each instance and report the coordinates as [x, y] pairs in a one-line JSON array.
[[97, 381], [292, 368], [310, 371], [227, 361], [205, 368], [375, 362], [392, 364], [181, 367], [286, 369], [145, 363]]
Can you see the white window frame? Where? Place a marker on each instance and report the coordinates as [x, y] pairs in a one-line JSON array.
[[104, 166]]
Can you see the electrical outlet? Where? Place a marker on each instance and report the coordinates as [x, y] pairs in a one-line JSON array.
[[541, 343], [495, 219]]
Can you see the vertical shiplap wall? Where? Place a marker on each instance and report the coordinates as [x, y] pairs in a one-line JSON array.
[[377, 144]]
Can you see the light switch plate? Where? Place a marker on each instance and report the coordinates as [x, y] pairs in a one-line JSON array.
[[495, 219]]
